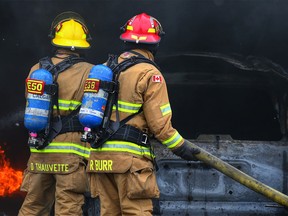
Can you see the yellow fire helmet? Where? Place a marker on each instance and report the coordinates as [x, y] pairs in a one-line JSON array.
[[68, 30]]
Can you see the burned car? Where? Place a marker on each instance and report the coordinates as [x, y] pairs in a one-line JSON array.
[[235, 108]]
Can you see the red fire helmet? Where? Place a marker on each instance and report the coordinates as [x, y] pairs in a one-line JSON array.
[[142, 28]]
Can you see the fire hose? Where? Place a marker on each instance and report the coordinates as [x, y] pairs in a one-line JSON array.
[[241, 177]]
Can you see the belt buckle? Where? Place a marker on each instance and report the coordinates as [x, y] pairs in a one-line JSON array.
[[145, 136]]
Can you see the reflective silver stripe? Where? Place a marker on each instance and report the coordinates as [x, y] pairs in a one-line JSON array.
[[44, 97], [87, 111], [166, 109], [64, 148], [123, 146], [67, 104], [173, 141], [36, 112], [128, 107]]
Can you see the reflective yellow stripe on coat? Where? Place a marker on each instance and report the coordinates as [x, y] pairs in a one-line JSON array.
[[127, 107], [67, 105], [123, 146], [173, 140], [64, 148], [166, 109]]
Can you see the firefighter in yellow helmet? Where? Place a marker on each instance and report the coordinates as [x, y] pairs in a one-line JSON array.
[[55, 174], [121, 169]]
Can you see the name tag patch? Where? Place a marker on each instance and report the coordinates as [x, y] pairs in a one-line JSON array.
[[35, 86], [101, 165], [92, 85]]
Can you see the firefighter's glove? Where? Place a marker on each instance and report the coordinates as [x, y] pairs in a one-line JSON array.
[[186, 151]]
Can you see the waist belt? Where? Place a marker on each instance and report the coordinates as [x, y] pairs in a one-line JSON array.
[[132, 134], [71, 125]]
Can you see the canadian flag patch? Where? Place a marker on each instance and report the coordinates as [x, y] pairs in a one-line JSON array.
[[157, 78]]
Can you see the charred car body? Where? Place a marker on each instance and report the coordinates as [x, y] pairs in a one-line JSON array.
[[236, 109]]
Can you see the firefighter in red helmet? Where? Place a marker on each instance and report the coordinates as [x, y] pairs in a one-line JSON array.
[[56, 170], [121, 169]]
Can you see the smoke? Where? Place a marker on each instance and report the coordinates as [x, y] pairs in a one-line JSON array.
[[12, 119]]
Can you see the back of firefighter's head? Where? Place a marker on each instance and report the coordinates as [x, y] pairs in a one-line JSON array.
[[142, 31], [69, 30]]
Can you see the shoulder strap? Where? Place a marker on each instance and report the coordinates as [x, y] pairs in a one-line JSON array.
[[55, 70], [55, 125], [47, 64], [108, 129], [127, 63]]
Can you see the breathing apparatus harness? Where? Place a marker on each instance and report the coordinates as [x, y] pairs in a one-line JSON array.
[[118, 130], [59, 124]]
